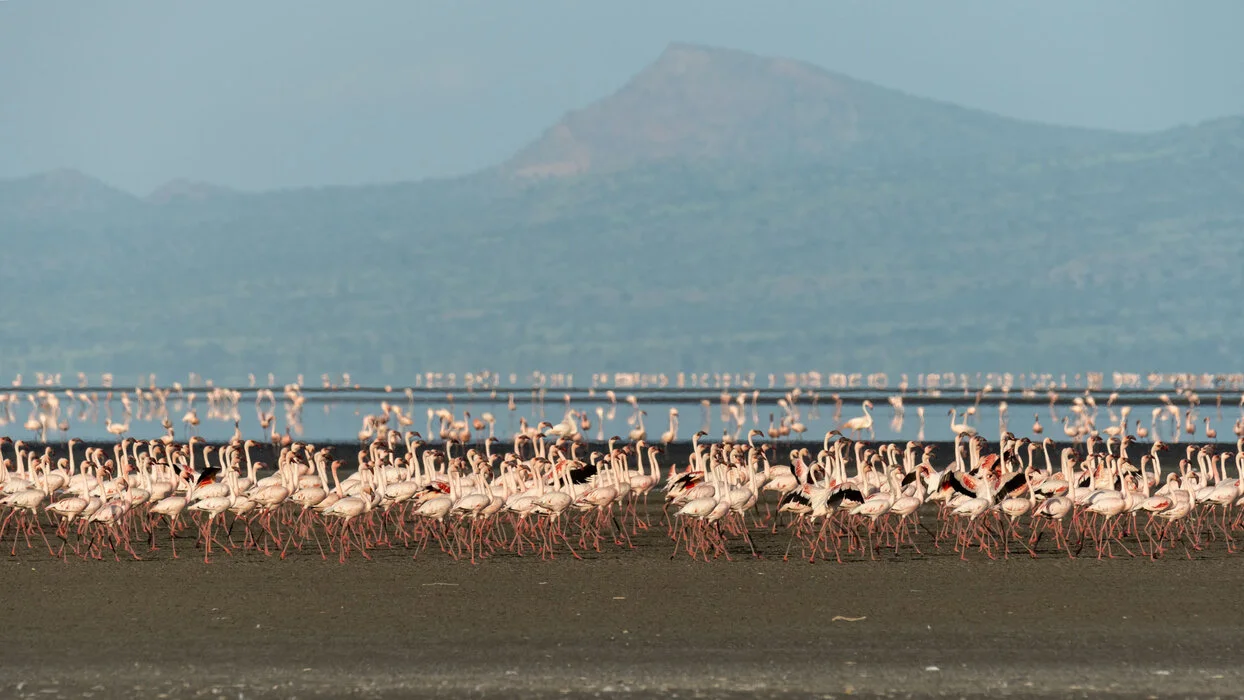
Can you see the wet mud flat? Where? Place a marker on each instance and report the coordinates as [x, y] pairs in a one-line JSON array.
[[625, 622]]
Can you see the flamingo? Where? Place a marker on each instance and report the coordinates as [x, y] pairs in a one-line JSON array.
[[859, 424], [638, 432], [960, 428], [672, 434]]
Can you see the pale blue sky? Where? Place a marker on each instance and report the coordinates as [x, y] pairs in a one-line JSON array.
[[260, 94]]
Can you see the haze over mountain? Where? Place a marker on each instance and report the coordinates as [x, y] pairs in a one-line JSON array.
[[721, 211], [138, 93], [697, 103]]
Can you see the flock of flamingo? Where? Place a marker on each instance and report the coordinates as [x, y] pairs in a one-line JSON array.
[[554, 492], [55, 409], [558, 491]]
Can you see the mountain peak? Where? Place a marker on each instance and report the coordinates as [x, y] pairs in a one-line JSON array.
[[64, 189], [700, 103], [681, 55], [68, 178], [183, 190]]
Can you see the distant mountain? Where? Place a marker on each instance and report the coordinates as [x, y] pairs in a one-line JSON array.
[[61, 192], [708, 104], [912, 236], [182, 190]]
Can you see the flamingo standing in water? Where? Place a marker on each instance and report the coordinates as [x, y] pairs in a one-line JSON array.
[[638, 432], [672, 434], [960, 428], [859, 424]]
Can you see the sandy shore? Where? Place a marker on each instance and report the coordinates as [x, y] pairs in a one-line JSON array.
[[624, 621]]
